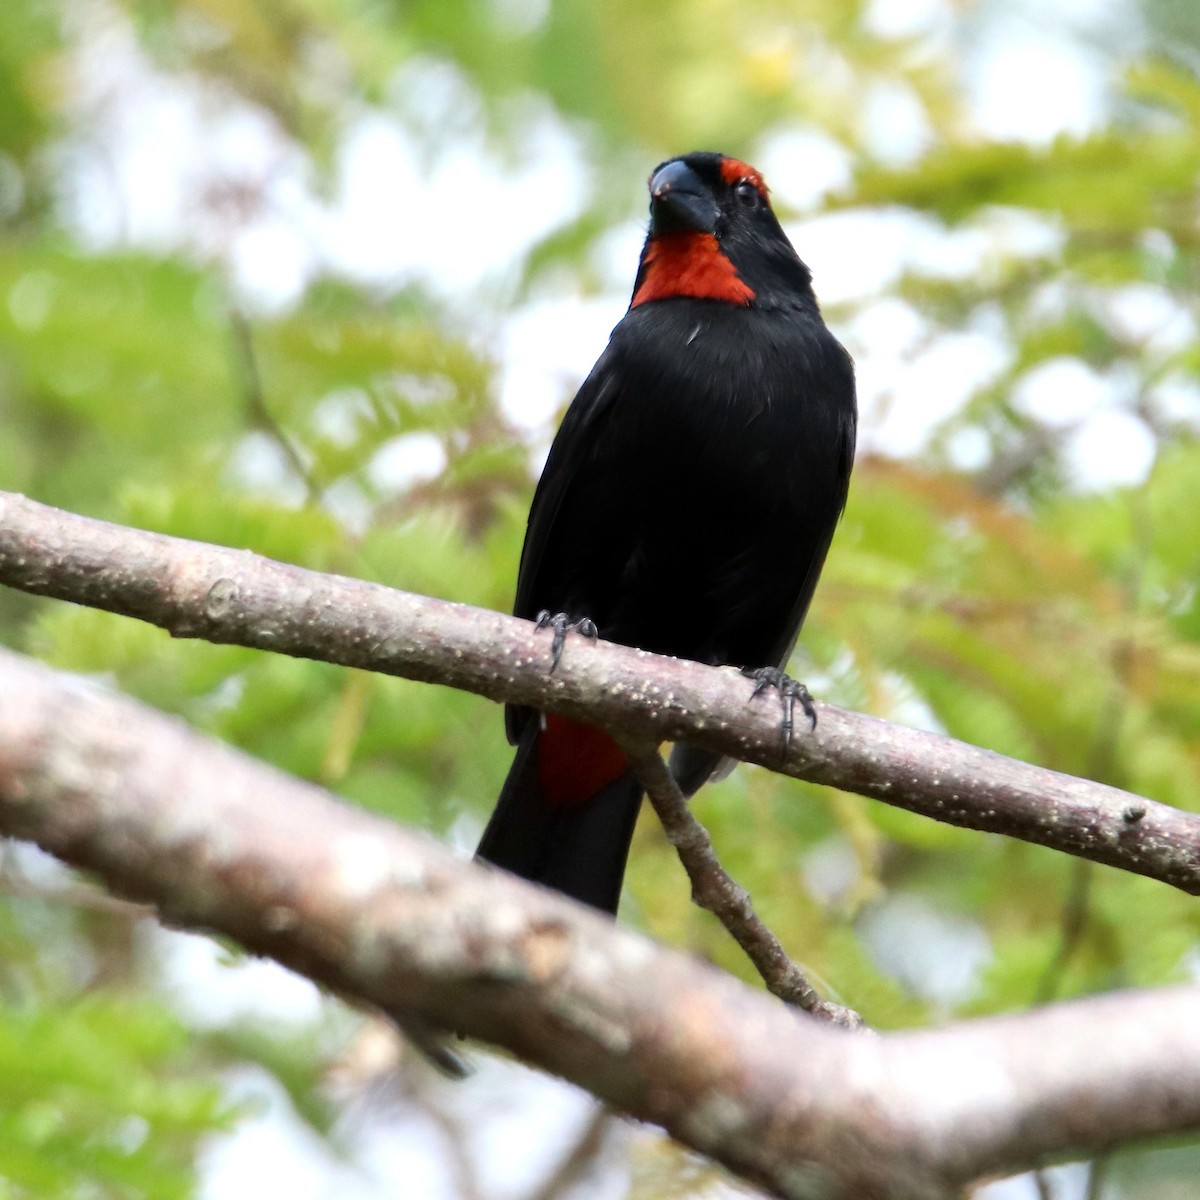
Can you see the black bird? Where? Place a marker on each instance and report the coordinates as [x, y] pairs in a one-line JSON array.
[[687, 504]]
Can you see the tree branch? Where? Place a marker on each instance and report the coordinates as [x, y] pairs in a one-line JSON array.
[[392, 919], [728, 901], [196, 590]]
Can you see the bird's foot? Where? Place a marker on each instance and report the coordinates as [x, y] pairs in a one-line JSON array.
[[791, 692], [562, 624]]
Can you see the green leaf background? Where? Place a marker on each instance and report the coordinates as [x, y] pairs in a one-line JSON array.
[[1006, 601]]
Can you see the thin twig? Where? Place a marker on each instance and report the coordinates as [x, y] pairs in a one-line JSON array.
[[1073, 927], [579, 1158], [256, 402], [453, 1134], [1102, 760], [727, 900]]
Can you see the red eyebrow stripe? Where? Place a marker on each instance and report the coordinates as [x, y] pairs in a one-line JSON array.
[[733, 170]]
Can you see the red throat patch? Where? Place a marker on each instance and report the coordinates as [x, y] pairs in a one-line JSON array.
[[576, 761], [689, 264]]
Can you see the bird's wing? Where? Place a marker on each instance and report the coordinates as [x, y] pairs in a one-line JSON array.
[[573, 448], [791, 631]]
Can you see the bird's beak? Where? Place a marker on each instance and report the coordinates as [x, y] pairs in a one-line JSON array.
[[679, 200]]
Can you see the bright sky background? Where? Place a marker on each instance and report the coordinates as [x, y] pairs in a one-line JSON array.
[[1028, 76], [134, 179]]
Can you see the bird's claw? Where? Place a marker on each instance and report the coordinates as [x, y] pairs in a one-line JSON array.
[[791, 692], [561, 624]]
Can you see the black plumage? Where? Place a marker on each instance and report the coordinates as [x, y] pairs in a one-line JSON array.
[[687, 503]]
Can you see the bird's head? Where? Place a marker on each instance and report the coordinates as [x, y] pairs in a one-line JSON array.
[[714, 236]]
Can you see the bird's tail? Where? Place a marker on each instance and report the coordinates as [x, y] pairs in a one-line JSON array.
[[566, 813]]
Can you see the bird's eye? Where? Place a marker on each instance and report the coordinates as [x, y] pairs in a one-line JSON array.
[[748, 196]]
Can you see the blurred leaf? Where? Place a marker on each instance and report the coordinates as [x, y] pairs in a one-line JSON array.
[[985, 587]]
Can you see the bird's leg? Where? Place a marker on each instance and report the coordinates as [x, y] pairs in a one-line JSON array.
[[790, 691], [562, 624]]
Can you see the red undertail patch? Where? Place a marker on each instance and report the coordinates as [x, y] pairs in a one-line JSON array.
[[575, 761], [689, 264]]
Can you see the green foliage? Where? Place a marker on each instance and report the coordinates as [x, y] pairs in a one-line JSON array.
[[1003, 604], [98, 1093]]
